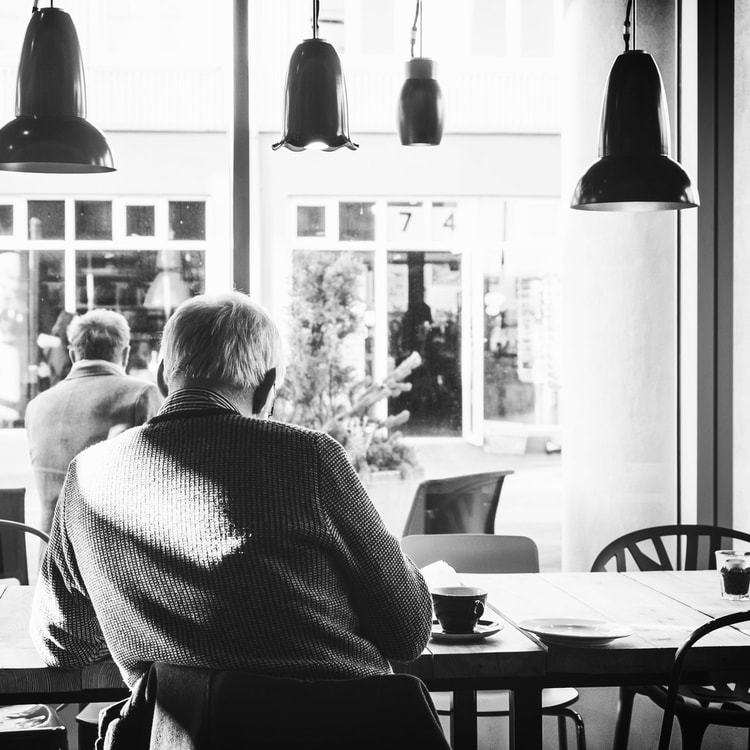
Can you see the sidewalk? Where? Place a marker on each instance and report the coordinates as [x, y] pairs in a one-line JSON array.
[[531, 499]]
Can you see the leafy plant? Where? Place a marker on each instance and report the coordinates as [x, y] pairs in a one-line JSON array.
[[320, 390]]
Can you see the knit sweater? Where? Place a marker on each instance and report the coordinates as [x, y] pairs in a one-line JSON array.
[[205, 538]]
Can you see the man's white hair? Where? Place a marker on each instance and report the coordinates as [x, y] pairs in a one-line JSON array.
[[226, 339]]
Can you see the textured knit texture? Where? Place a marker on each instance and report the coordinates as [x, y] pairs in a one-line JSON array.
[[96, 397], [208, 539]]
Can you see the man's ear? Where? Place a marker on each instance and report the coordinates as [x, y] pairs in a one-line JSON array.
[[263, 390], [72, 354], [160, 380]]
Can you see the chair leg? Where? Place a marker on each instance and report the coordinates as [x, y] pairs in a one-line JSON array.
[[624, 714], [575, 717], [691, 732]]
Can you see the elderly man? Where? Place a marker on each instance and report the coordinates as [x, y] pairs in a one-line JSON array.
[[212, 536], [94, 401]]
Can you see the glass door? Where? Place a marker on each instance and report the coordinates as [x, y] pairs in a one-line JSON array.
[[424, 316]]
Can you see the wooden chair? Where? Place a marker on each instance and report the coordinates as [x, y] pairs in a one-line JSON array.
[[736, 717], [674, 547], [187, 708], [494, 553], [32, 726], [456, 505]]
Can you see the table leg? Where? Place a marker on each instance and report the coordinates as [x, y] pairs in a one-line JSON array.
[[464, 720], [526, 718]]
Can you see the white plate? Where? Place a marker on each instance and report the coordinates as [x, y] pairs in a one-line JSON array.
[[572, 632], [483, 629]]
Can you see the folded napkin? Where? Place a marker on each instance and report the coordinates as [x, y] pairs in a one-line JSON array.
[[439, 575]]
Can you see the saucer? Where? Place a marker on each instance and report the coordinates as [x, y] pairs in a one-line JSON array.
[[483, 629]]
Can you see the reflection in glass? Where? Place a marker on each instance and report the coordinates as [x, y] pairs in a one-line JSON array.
[[6, 220], [46, 220], [144, 285], [93, 220], [31, 298], [356, 221], [139, 221], [311, 221], [424, 316], [187, 220]]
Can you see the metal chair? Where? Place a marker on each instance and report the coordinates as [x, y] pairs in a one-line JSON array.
[[675, 703], [673, 547], [29, 726], [456, 505], [494, 553]]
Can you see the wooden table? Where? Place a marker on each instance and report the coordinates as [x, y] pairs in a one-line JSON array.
[[661, 607]]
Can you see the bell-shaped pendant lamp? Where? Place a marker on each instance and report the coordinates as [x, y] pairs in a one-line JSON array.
[[50, 132], [316, 115], [634, 171], [420, 105]]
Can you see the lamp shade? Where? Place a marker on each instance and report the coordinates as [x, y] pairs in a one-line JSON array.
[[634, 171], [315, 108], [420, 105], [50, 132]]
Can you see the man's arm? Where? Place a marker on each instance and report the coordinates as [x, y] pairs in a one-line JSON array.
[[391, 595], [63, 625]]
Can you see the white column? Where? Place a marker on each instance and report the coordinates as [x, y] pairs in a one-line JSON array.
[[619, 393]]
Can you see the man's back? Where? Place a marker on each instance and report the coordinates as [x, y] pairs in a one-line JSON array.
[[209, 539], [93, 402]]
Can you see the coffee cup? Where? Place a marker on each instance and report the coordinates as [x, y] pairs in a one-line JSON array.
[[458, 608], [734, 568]]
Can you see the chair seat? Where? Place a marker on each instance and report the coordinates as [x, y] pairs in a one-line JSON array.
[[497, 702]]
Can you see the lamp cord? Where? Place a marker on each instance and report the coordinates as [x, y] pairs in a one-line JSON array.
[[627, 25], [316, 12], [414, 29]]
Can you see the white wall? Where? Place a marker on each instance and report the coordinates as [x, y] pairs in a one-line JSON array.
[[619, 410]]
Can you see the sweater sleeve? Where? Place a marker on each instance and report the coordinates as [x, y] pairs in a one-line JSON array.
[[390, 595], [64, 627]]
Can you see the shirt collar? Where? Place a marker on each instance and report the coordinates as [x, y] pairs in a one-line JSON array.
[[97, 364], [192, 399]]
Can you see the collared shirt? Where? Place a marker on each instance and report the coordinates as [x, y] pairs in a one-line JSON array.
[[96, 365], [191, 399]]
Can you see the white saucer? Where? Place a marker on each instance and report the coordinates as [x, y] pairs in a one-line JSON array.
[[483, 629], [574, 632]]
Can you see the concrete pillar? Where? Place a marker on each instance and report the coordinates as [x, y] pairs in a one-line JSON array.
[[619, 287]]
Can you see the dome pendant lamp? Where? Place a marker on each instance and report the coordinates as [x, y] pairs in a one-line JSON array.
[[635, 171], [420, 106], [315, 109], [50, 132]]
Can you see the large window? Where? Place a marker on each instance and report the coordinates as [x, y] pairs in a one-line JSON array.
[[61, 257]]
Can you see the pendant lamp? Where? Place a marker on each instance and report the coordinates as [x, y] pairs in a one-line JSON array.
[[50, 132], [315, 109], [420, 105], [635, 171]]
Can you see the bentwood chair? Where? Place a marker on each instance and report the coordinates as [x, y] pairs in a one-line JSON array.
[[187, 708], [494, 553], [674, 703], [456, 505], [675, 547], [28, 726]]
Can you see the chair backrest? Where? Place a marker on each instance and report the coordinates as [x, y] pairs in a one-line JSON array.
[[456, 505], [675, 547], [740, 717], [202, 709], [13, 562], [474, 553]]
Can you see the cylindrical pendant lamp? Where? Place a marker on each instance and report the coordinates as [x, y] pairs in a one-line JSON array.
[[420, 106]]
